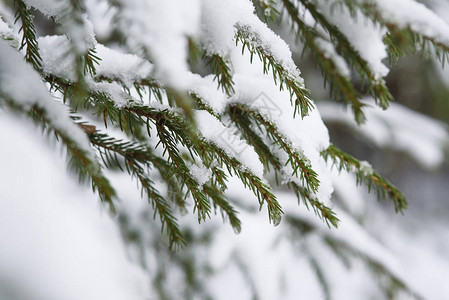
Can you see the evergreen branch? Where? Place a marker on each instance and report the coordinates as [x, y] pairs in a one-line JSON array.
[[250, 180], [321, 210], [376, 87], [135, 157], [210, 152], [180, 132], [170, 147], [343, 85], [297, 160], [403, 36], [222, 69], [365, 173], [29, 42], [240, 116], [251, 41], [183, 134], [160, 206], [90, 60]]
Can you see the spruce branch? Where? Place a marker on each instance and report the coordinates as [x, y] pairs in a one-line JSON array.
[[320, 209], [250, 180], [299, 96], [222, 69], [384, 189], [208, 151], [240, 115], [167, 140], [29, 42], [297, 160], [403, 36], [340, 84], [376, 87], [136, 157]]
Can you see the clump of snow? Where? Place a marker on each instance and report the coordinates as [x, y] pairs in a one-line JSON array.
[[206, 89], [366, 168], [8, 28], [128, 68], [218, 20], [56, 57], [81, 33], [113, 90], [200, 173], [50, 8], [57, 60]]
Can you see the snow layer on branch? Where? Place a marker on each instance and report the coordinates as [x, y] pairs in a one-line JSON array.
[[128, 68], [55, 242], [410, 13], [113, 90], [330, 53], [20, 83], [227, 139], [365, 36], [206, 88], [308, 135], [221, 20], [162, 28], [423, 138], [57, 59]]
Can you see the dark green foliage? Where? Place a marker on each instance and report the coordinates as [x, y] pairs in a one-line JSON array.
[[28, 42], [384, 189], [221, 67]]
